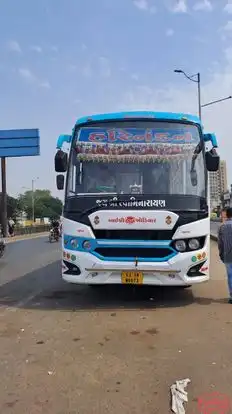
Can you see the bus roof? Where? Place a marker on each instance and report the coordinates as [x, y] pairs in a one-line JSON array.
[[139, 114]]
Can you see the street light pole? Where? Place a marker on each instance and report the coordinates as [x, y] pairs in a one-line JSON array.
[[197, 79], [33, 198], [217, 101], [199, 93], [4, 198]]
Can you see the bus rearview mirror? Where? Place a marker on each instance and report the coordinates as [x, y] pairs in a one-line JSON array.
[[61, 161], [60, 181], [212, 160]]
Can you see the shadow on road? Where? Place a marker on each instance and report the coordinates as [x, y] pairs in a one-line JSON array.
[[44, 289]]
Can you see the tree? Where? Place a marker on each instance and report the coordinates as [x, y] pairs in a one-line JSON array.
[[45, 205], [13, 206]]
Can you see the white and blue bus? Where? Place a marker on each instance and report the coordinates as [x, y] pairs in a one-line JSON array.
[[136, 205]]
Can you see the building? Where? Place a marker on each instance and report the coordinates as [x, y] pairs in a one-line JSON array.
[[218, 185], [223, 177]]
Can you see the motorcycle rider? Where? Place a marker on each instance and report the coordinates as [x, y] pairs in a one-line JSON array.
[[55, 227]]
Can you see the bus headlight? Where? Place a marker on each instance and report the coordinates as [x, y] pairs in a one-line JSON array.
[[180, 245], [86, 244], [74, 243], [194, 244]]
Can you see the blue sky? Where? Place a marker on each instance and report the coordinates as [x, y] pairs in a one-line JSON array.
[[64, 59]]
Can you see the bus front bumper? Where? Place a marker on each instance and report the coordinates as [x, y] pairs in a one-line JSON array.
[[178, 271]]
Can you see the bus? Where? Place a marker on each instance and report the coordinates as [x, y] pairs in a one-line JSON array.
[[136, 205]]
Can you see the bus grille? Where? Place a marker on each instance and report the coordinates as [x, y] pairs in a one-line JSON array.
[[132, 252], [133, 234]]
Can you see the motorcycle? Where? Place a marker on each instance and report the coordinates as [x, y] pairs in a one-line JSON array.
[[54, 235]]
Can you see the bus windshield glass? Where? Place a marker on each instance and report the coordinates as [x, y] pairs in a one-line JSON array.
[[138, 157]]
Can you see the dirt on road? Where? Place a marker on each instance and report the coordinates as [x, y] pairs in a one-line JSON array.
[[119, 358]]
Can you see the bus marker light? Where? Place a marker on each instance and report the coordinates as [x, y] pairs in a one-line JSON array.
[[68, 256], [73, 257], [194, 259]]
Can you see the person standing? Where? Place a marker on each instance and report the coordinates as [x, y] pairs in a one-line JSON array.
[[222, 219], [225, 247], [223, 215], [11, 225]]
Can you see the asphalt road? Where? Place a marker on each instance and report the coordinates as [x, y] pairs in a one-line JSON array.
[[26, 267], [214, 225], [67, 349]]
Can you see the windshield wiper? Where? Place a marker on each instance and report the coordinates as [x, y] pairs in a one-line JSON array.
[[197, 151]]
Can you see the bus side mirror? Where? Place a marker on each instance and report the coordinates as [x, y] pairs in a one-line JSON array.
[[60, 181], [61, 161], [212, 160]]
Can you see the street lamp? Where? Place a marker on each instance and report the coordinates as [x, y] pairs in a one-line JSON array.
[[33, 197], [197, 79]]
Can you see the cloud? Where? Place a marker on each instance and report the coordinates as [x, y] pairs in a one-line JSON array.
[[55, 49], [77, 101], [226, 30], [135, 77], [203, 5], [144, 5], [105, 69], [37, 49], [228, 7], [14, 46], [169, 32], [201, 39], [87, 71], [72, 68], [29, 77], [45, 85], [228, 26], [180, 6], [141, 4]]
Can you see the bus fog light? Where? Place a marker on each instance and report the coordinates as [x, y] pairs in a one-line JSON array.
[[74, 243], [194, 244], [180, 245], [86, 244]]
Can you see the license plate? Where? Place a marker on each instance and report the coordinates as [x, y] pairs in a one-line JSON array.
[[132, 278]]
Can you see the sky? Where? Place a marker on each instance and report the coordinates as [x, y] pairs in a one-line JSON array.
[[60, 60]]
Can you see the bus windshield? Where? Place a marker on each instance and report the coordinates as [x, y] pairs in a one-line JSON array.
[[136, 158]]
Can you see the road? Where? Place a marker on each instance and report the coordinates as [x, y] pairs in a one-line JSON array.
[[68, 349], [214, 227]]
